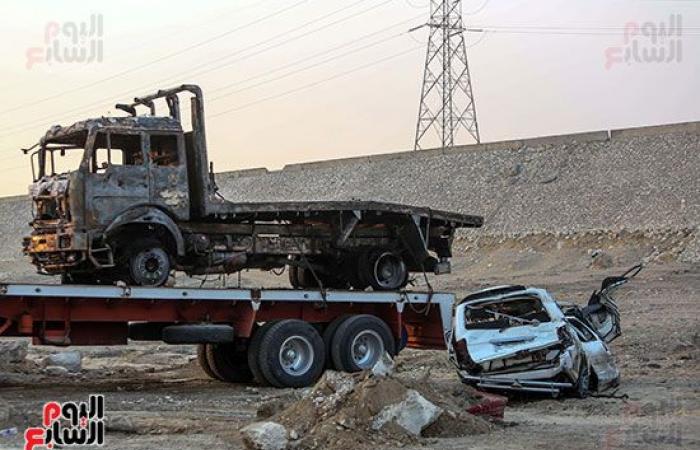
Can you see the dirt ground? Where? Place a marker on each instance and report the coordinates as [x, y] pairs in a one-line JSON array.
[[157, 398]]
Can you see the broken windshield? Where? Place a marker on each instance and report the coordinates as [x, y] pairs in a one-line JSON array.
[[505, 313], [60, 155]]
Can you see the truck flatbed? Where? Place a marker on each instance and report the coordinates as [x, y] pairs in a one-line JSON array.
[[226, 322]]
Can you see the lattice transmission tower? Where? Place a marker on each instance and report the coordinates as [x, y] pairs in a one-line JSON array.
[[447, 103]]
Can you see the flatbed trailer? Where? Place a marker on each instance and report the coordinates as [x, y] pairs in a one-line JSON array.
[[280, 337]]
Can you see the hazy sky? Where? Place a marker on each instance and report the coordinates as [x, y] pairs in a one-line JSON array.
[[298, 80]]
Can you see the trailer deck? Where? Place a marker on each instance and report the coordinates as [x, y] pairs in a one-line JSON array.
[[99, 315]]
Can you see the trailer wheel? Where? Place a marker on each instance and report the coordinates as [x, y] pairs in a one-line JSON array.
[[383, 270], [149, 263], [328, 335], [254, 352], [291, 354], [203, 363], [228, 364], [360, 341]]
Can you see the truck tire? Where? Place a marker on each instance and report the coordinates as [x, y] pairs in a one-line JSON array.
[[148, 263], [383, 270], [228, 363], [360, 341], [291, 354], [203, 363], [254, 351], [328, 335]]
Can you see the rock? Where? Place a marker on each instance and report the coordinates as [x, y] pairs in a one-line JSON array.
[[265, 436], [13, 352], [413, 414], [384, 366], [56, 371], [601, 260], [341, 383], [72, 360]]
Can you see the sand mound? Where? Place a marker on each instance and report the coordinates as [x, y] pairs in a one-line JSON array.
[[364, 411]]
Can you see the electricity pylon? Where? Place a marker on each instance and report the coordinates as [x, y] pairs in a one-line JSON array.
[[447, 102]]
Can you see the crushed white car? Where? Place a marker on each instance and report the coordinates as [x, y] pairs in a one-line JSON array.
[[520, 338]]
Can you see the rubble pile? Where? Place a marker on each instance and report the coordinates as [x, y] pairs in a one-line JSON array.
[[367, 410]]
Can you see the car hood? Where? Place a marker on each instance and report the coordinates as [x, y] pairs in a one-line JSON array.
[[490, 345]]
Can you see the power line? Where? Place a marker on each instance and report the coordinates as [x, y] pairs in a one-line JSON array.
[[316, 83], [88, 106], [157, 60]]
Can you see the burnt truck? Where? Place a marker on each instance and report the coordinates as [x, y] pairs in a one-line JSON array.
[[141, 201]]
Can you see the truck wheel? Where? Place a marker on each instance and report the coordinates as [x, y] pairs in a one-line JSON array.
[[149, 263], [383, 270], [294, 276], [203, 363], [328, 335], [291, 354], [228, 364], [254, 352], [360, 341]]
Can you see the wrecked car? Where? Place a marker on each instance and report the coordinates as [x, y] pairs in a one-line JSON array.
[[519, 338]]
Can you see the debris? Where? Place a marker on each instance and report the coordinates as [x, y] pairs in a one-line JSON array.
[[13, 352], [413, 414], [265, 436], [72, 361], [8, 432], [384, 366]]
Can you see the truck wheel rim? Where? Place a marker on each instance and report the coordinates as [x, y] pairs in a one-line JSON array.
[[367, 348], [151, 267], [389, 270], [296, 355]]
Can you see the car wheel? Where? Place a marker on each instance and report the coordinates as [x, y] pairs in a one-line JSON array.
[[581, 388], [291, 354], [359, 342], [149, 263]]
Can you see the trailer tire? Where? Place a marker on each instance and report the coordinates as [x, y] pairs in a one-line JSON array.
[[291, 354], [328, 335], [254, 353], [204, 364], [198, 334], [228, 363], [360, 341]]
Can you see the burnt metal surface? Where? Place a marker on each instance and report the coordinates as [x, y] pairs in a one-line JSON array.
[[143, 178]]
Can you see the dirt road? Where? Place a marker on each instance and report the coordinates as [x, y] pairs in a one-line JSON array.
[[157, 397]]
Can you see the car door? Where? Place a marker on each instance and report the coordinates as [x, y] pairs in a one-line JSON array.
[[117, 178], [168, 173], [597, 353]]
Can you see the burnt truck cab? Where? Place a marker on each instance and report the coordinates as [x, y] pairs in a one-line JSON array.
[[134, 198], [122, 163]]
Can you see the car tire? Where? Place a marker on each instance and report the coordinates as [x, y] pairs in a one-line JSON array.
[[228, 363], [360, 341], [291, 354], [254, 353], [204, 363], [582, 385]]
